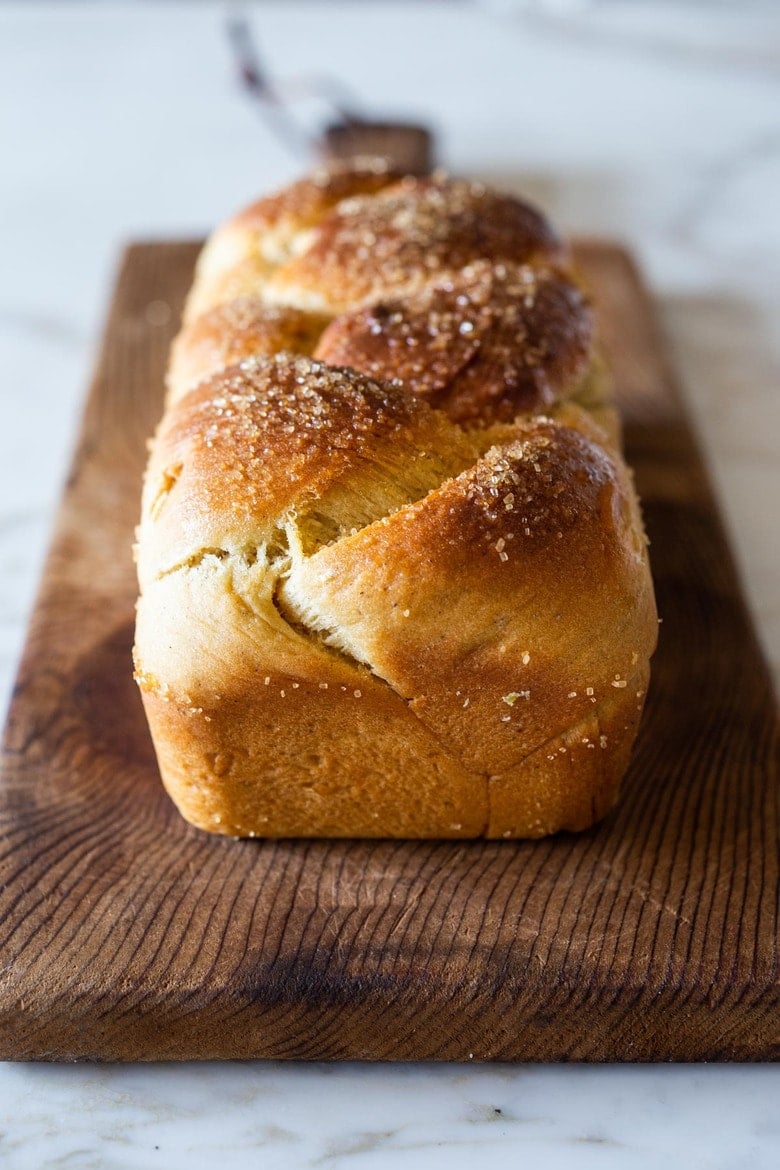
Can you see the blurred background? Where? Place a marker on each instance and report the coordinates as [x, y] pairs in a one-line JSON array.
[[653, 122]]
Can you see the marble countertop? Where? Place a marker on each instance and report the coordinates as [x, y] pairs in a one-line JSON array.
[[653, 122]]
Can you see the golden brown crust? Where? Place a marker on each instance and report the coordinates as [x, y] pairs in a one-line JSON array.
[[284, 440], [417, 607], [573, 780], [243, 327], [225, 279], [243, 252], [443, 599], [303, 203], [262, 730], [483, 344], [370, 248]]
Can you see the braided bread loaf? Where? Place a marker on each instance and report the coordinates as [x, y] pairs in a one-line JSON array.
[[393, 574]]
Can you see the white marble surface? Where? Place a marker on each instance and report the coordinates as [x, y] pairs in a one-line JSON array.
[[651, 121], [373, 1117]]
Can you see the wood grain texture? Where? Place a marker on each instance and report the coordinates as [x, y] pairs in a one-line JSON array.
[[126, 934]]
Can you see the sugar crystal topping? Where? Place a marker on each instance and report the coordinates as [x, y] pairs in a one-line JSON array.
[[402, 235], [484, 344]]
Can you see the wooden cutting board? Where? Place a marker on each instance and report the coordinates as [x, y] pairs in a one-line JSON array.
[[125, 934]]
